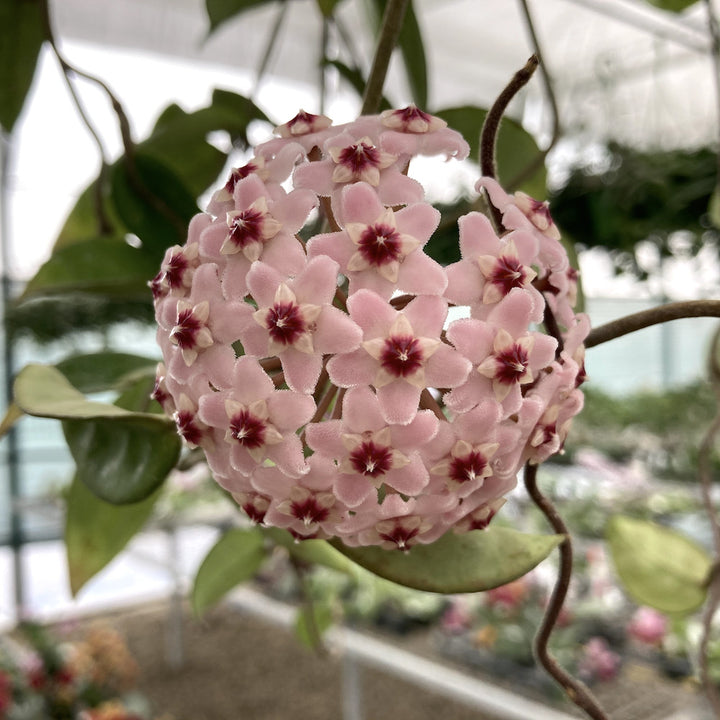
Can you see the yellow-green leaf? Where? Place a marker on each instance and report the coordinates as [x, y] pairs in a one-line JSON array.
[[471, 562], [658, 566]]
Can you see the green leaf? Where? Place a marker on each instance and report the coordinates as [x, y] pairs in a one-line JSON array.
[[234, 559], [95, 372], [22, 31], [152, 202], [137, 394], [123, 459], [43, 391], [96, 531], [220, 11], [311, 621], [516, 148], [471, 562], [102, 265], [121, 456], [658, 566], [672, 5]]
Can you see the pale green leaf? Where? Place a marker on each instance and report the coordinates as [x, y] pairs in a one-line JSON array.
[[234, 559], [311, 622], [13, 414], [658, 566], [96, 531], [469, 562]]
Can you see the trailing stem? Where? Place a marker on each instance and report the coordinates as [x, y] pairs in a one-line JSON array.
[[491, 126], [576, 691], [653, 316]]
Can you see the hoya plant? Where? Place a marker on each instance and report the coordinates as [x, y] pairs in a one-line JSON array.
[[359, 400]]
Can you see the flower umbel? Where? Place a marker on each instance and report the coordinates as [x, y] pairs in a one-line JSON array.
[[319, 372]]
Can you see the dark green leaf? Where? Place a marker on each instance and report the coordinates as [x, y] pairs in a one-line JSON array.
[[123, 459], [219, 11], [95, 372], [153, 203], [312, 620], [22, 32], [136, 396], [96, 531], [672, 5], [107, 266], [234, 559], [658, 566], [82, 221], [516, 148], [357, 81], [471, 562]]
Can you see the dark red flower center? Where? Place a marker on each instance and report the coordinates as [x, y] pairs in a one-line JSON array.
[[285, 323], [185, 421], [246, 227], [239, 174], [511, 364], [379, 244], [247, 429], [410, 113], [359, 157], [508, 273], [468, 468], [255, 513], [305, 118], [309, 511], [175, 269], [371, 459], [186, 329], [401, 356], [400, 535], [480, 523]]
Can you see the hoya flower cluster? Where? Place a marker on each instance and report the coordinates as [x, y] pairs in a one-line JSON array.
[[321, 376]]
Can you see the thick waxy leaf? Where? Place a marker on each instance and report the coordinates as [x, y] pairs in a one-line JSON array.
[[21, 36], [220, 11], [516, 148], [658, 566], [121, 456], [96, 531], [95, 372], [234, 559], [123, 459], [44, 391], [102, 265], [153, 203], [714, 207], [475, 561]]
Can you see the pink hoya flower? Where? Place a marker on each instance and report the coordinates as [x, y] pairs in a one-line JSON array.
[[381, 249], [648, 626], [320, 374]]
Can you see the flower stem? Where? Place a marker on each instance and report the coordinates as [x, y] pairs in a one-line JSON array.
[[389, 31], [575, 690], [653, 316]]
